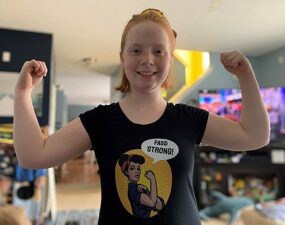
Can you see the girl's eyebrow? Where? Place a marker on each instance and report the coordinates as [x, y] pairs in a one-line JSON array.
[[155, 44], [135, 45]]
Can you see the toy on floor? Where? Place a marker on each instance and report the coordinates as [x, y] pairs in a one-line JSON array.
[[225, 204]]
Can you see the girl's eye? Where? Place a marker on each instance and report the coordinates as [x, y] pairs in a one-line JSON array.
[[135, 51], [159, 52]]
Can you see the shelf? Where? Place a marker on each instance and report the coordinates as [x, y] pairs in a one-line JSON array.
[[251, 164], [220, 176]]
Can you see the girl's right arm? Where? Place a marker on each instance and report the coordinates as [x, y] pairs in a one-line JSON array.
[[33, 150]]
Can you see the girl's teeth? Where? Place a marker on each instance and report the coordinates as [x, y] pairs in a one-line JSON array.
[[146, 73]]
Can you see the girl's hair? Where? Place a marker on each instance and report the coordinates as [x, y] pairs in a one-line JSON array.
[[148, 15]]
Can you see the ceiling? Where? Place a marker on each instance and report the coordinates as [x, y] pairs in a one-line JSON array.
[[92, 29]]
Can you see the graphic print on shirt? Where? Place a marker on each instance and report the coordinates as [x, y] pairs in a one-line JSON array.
[[144, 177]]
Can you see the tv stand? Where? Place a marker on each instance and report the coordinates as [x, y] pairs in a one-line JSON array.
[[243, 173]]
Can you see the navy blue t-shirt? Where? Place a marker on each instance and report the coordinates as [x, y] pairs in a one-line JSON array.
[[157, 159]]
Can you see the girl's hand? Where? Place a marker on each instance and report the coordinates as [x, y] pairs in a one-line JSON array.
[[31, 74], [236, 63]]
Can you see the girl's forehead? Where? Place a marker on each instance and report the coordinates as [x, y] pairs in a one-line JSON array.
[[147, 31], [146, 25]]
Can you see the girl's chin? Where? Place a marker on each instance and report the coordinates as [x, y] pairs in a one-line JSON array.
[[148, 86], [147, 89]]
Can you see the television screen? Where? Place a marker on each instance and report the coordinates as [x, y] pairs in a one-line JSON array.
[[227, 103]]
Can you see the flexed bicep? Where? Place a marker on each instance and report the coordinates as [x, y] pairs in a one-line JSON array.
[[66, 143], [226, 134]]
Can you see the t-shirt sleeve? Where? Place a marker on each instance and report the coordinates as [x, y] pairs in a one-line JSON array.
[[91, 122], [199, 119], [202, 119]]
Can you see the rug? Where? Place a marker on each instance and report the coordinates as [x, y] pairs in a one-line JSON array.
[[82, 217]]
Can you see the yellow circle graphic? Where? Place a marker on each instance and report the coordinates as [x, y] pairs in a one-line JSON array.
[[143, 186]]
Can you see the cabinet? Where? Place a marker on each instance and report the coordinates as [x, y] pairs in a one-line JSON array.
[[249, 174]]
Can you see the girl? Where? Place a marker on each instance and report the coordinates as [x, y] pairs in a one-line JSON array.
[[147, 46]]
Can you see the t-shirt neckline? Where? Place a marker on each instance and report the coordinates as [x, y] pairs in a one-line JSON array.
[[159, 120]]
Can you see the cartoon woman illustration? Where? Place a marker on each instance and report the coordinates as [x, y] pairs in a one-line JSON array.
[[142, 200]]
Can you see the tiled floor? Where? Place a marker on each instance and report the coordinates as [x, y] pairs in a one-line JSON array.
[[78, 185]]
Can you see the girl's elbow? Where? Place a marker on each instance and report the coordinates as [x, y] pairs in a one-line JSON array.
[[267, 135], [262, 140], [24, 163]]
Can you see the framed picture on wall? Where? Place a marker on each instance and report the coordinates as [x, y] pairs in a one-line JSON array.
[[16, 47], [40, 98]]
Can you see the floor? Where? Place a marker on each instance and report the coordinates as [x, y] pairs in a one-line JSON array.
[[78, 185]]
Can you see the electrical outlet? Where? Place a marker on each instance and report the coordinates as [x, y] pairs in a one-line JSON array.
[[6, 56], [278, 156]]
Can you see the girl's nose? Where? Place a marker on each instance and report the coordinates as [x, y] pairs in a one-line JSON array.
[[147, 59]]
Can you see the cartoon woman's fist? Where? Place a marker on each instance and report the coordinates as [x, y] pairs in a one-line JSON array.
[[149, 175]]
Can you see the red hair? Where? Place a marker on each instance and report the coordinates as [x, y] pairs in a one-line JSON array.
[[152, 15]]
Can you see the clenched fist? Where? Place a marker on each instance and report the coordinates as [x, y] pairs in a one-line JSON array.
[[31, 74], [236, 63]]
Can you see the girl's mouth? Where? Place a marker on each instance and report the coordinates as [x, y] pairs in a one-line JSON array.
[[146, 73]]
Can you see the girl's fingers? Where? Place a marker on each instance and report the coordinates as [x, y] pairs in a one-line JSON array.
[[35, 65], [236, 61], [232, 55], [231, 58], [46, 69], [42, 69], [225, 58], [39, 68]]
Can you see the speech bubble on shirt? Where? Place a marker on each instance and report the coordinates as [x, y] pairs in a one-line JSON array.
[[160, 149]]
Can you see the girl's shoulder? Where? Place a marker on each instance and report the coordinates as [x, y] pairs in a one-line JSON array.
[[104, 108], [183, 108]]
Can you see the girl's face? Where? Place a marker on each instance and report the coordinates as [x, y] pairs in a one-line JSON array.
[[146, 57], [134, 172]]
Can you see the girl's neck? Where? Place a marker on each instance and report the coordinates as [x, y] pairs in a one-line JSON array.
[[136, 107], [145, 99]]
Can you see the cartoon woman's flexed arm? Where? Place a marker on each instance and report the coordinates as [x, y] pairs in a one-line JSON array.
[[150, 199]]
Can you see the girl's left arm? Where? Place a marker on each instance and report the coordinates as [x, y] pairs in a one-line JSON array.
[[253, 129]]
